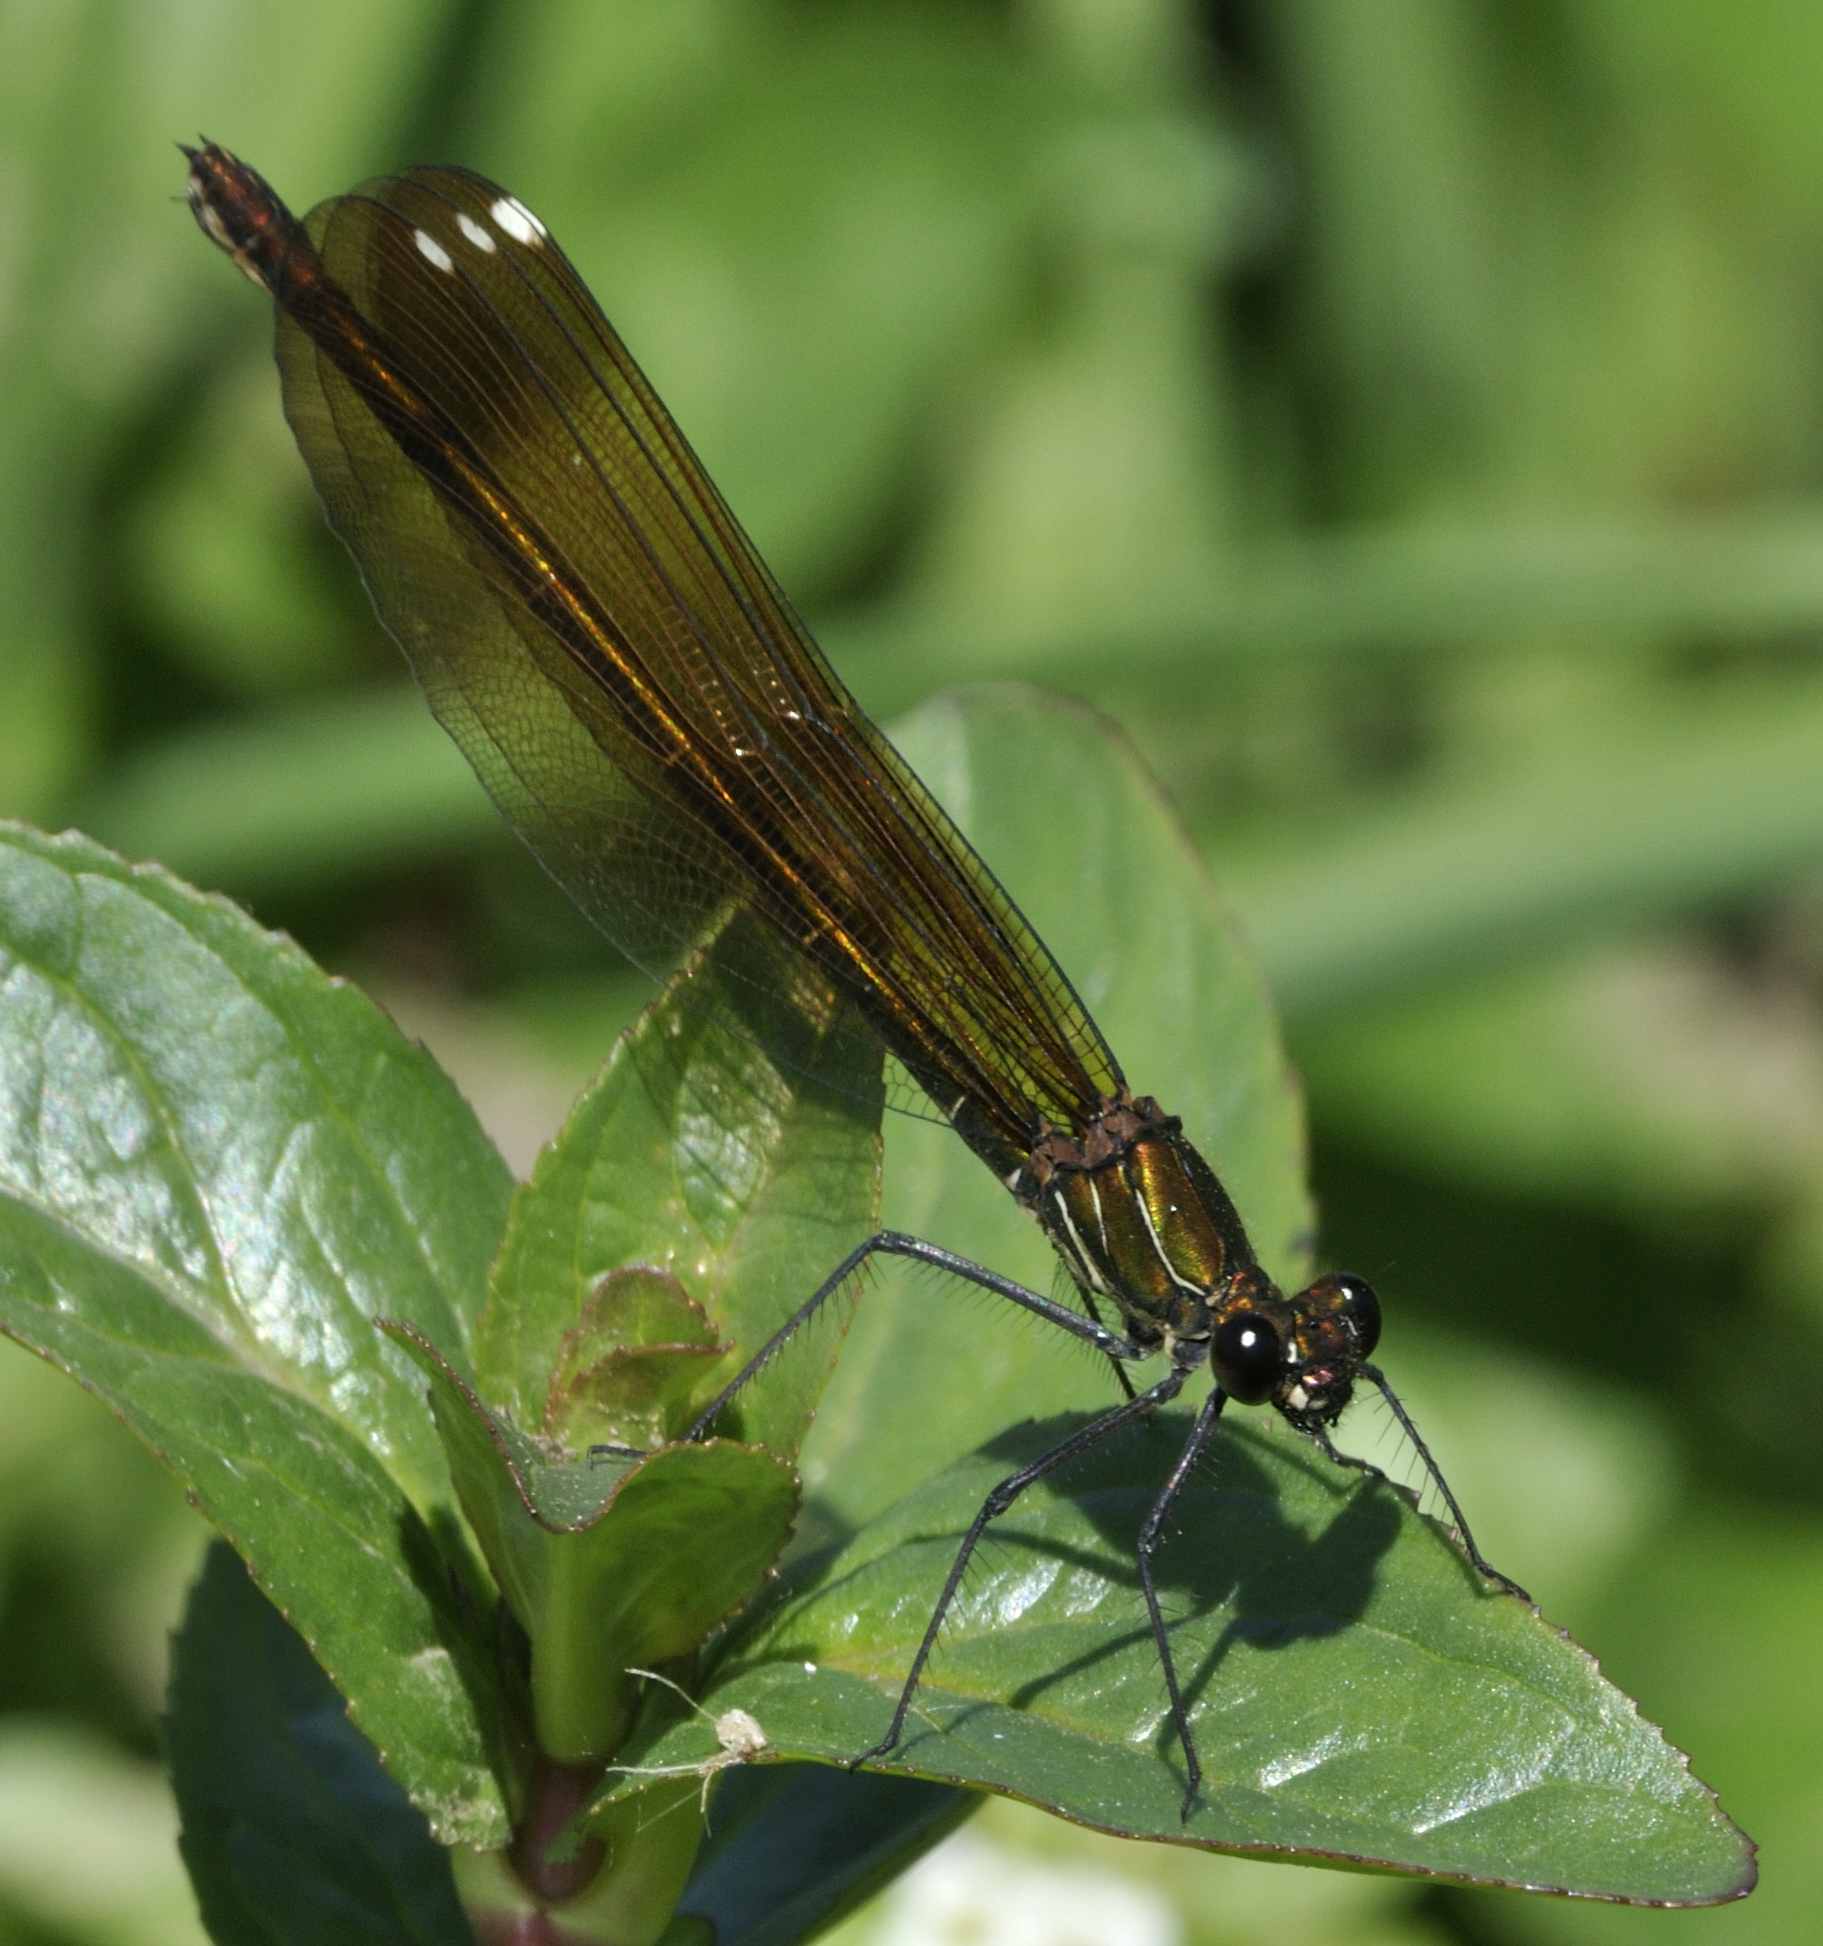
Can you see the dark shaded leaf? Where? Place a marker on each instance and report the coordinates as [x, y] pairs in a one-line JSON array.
[[292, 1831]]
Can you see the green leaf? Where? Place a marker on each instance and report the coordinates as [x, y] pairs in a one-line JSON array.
[[608, 1567], [630, 1371], [731, 1144], [220, 1163], [725, 1157], [292, 1831], [216, 1166], [200, 1104], [1359, 1695]]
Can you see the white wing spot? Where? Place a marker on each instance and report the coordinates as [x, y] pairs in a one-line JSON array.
[[475, 233], [516, 220], [432, 251]]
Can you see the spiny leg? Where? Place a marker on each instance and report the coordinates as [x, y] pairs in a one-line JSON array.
[[894, 1243], [1377, 1378], [1120, 1371], [1318, 1435], [995, 1505], [1150, 1536]]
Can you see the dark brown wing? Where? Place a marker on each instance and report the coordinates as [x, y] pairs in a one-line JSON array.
[[605, 644]]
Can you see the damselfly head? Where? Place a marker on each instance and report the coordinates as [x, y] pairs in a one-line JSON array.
[[1337, 1325], [1300, 1354]]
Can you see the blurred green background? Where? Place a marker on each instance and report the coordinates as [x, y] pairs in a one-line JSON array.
[[1407, 419]]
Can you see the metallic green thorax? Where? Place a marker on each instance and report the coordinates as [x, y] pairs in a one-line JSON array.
[[1138, 1217]]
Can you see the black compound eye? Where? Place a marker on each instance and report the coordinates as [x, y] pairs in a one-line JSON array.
[[1361, 1307], [1248, 1356]]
